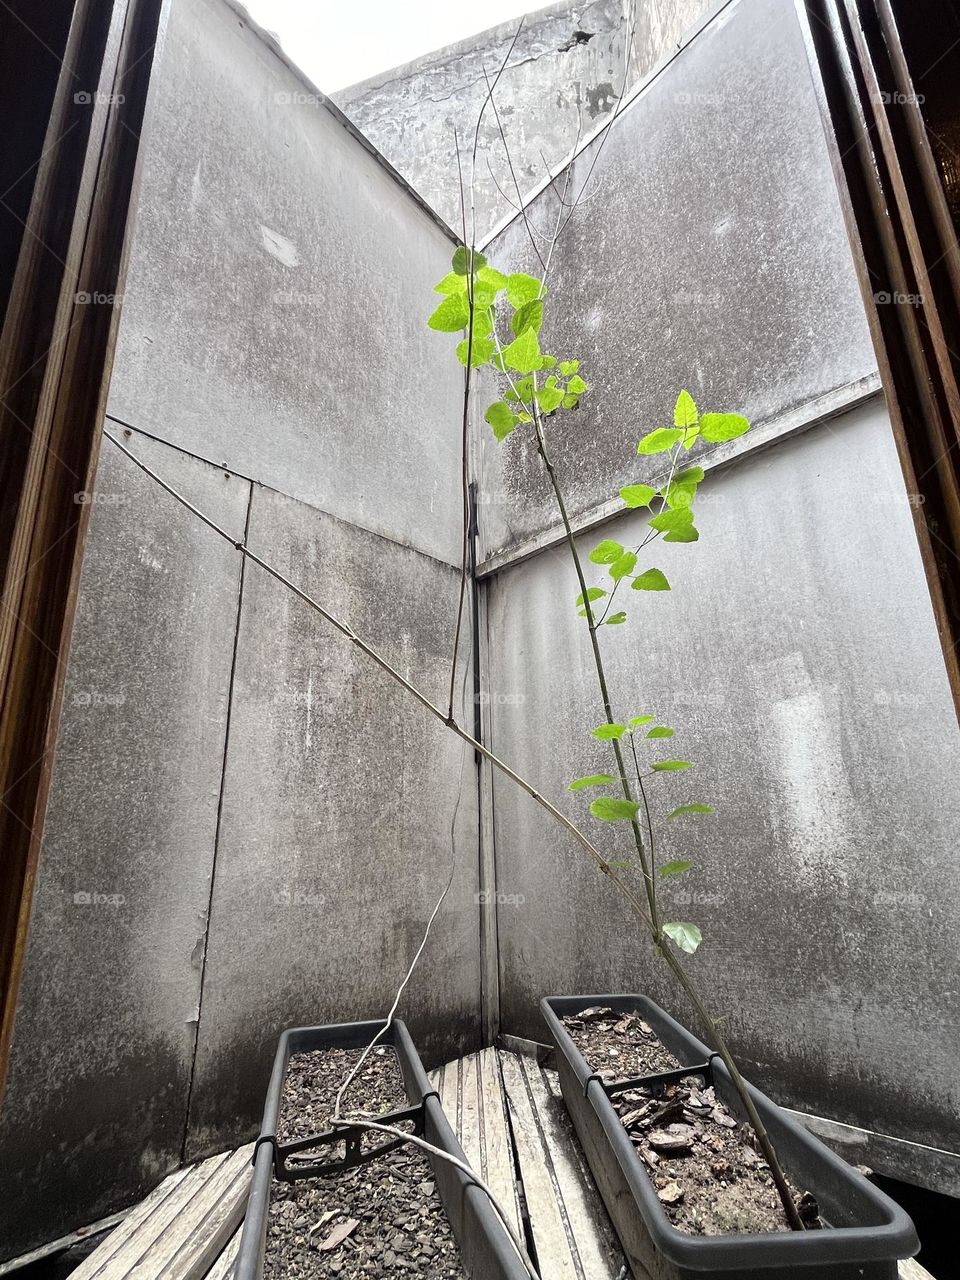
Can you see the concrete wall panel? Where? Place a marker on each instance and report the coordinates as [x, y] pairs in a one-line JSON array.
[[280, 281], [339, 797], [95, 1106], [563, 76], [709, 254], [796, 658]]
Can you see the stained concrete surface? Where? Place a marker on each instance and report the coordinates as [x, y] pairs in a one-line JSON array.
[[796, 658], [709, 254], [96, 1099], [274, 318], [562, 79], [339, 796]]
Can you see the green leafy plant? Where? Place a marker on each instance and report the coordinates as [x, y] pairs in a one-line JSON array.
[[502, 319]]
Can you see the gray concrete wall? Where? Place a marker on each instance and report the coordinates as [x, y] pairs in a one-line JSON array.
[[796, 656], [564, 76], [273, 322], [95, 1104], [338, 804], [709, 254]]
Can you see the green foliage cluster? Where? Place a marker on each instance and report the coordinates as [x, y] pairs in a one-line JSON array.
[[502, 316]]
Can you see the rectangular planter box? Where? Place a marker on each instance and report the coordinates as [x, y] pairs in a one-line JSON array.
[[485, 1248], [867, 1231]]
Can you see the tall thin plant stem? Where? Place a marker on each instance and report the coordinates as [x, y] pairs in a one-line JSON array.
[[645, 856]]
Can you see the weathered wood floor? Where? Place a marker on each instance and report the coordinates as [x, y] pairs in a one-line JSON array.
[[508, 1114]]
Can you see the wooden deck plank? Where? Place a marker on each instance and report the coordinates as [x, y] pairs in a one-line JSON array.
[[446, 1081], [555, 1250], [596, 1241], [471, 1120], [222, 1269], [206, 1232], [116, 1264], [128, 1227], [499, 1170], [911, 1270], [191, 1217]]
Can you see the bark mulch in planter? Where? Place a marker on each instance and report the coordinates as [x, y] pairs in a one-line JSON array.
[[383, 1219], [703, 1163]]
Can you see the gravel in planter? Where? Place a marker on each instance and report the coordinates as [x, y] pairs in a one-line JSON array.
[[384, 1218], [707, 1172]]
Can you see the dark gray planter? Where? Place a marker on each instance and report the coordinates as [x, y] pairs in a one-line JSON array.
[[867, 1234], [485, 1248]]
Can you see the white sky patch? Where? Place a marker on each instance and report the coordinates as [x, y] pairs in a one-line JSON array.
[[336, 45]]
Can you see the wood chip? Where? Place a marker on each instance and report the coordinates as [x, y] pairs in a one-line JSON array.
[[665, 1142], [338, 1234], [672, 1193], [722, 1117]]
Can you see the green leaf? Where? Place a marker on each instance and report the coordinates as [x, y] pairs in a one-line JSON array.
[[674, 868], [494, 279], [615, 619], [607, 732], [606, 552], [576, 386], [638, 495], [717, 427], [637, 721], [593, 593], [594, 780], [461, 260], [672, 766], [651, 580], [661, 440], [480, 352], [685, 411], [451, 283], [661, 731], [549, 398], [502, 418], [529, 316], [612, 809], [452, 314], [568, 366], [548, 362], [682, 489], [676, 525], [523, 354], [689, 808], [571, 401], [622, 566], [522, 288], [687, 936]]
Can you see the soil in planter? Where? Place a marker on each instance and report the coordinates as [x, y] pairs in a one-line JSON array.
[[703, 1163], [383, 1219]]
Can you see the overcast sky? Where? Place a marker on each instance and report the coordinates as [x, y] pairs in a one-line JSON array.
[[338, 42]]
